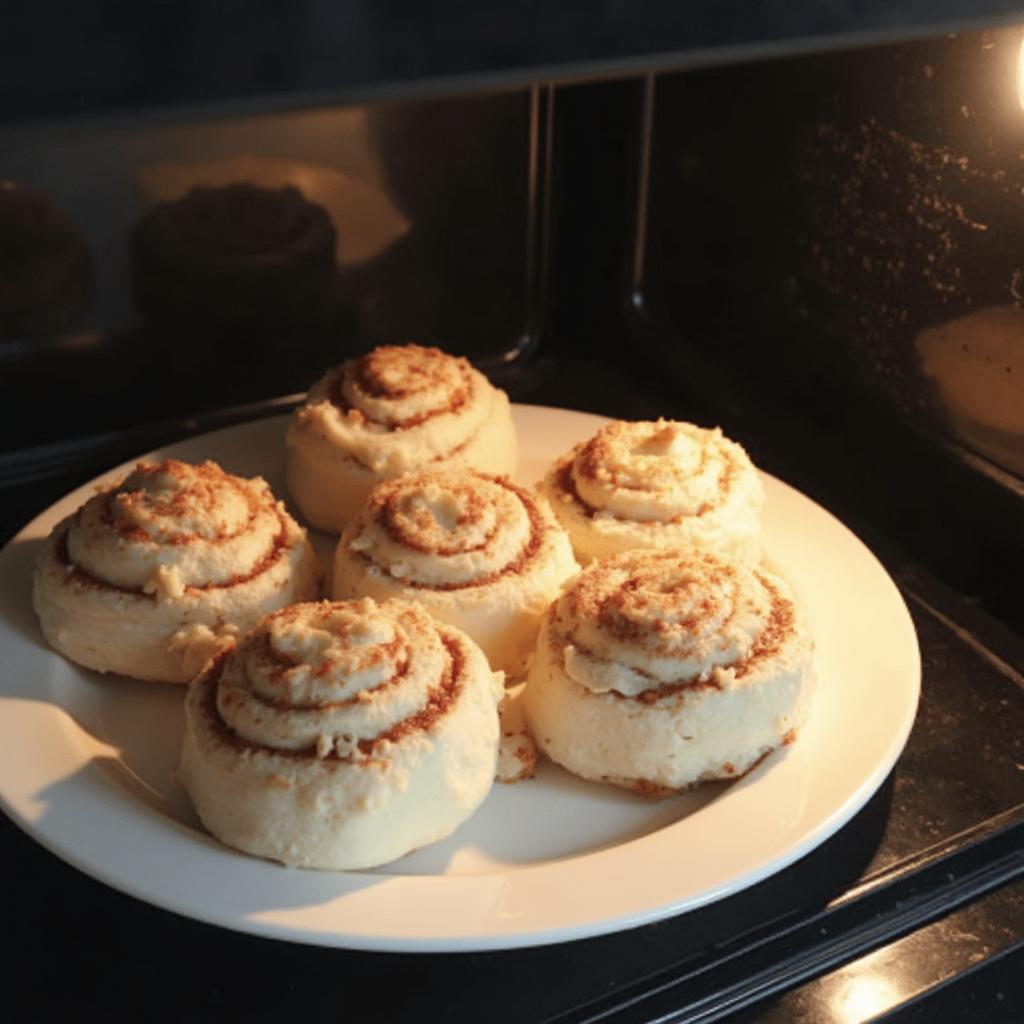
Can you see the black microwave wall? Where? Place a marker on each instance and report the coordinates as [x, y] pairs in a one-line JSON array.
[[854, 217], [859, 209], [851, 217], [191, 264], [827, 241], [823, 255]]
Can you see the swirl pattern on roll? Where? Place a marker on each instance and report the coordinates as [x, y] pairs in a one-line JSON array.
[[697, 664], [402, 388], [394, 410], [649, 624], [171, 525], [448, 531], [477, 550], [147, 578], [338, 680], [657, 484], [341, 734]]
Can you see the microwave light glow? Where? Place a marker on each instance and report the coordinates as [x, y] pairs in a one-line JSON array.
[[1020, 75]]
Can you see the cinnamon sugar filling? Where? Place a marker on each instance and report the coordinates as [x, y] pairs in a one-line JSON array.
[[438, 700], [777, 630], [384, 515], [368, 373], [265, 650], [585, 464], [86, 579], [197, 494]]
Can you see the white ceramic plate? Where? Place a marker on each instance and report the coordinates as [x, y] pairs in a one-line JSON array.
[[86, 768]]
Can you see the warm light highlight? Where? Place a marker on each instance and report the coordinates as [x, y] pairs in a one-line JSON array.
[[1020, 75], [864, 998]]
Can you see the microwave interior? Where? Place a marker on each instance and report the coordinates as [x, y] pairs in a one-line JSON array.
[[818, 252]]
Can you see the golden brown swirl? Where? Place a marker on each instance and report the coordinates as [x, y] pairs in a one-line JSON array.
[[339, 679], [341, 734], [170, 526], [151, 577], [656, 671], [396, 410], [400, 406], [647, 624], [657, 484], [450, 530], [476, 550], [400, 387]]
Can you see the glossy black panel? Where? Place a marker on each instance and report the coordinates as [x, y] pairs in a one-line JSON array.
[[57, 59], [932, 974], [830, 242], [208, 278], [865, 205]]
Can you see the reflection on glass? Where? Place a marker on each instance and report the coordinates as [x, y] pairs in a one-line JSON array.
[[46, 271], [977, 364], [366, 219], [1020, 75], [863, 998]]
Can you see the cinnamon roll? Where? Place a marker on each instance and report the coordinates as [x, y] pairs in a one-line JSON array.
[[395, 410], [661, 484], [151, 577], [475, 550], [341, 735], [655, 671]]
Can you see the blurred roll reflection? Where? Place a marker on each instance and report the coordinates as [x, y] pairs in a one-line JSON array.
[[977, 365], [46, 268]]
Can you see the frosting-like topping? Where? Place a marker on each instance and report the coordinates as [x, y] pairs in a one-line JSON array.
[[340, 679], [399, 406], [657, 471], [646, 624], [450, 530], [171, 526], [401, 387]]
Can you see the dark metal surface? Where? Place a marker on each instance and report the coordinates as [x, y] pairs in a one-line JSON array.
[[768, 294], [874, 226], [964, 966], [61, 60], [438, 207]]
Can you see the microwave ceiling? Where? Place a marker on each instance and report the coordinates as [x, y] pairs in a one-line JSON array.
[[66, 61]]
